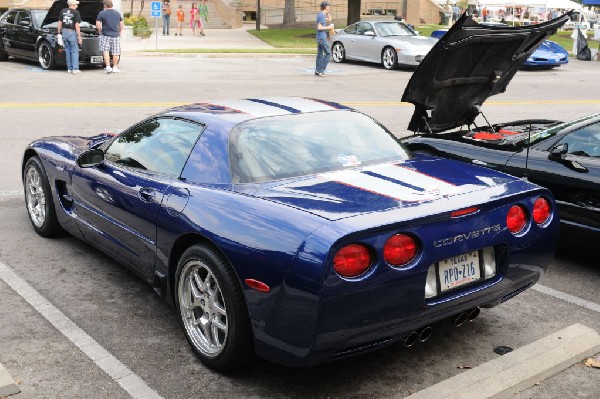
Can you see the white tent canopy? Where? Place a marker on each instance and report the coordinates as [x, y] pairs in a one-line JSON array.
[[562, 4]]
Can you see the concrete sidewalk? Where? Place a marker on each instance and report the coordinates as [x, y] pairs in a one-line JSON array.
[[213, 39]]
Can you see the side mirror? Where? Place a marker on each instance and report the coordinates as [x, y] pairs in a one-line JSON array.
[[90, 158], [369, 33], [559, 153]]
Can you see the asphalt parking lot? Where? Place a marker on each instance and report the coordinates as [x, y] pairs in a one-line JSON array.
[[125, 318]]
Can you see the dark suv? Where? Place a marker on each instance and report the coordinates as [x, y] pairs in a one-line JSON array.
[[30, 34]]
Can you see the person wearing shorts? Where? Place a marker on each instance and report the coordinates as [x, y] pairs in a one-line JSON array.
[[110, 25]]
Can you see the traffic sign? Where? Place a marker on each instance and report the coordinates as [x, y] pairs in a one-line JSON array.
[[155, 8]]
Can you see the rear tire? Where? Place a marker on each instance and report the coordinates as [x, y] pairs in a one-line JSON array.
[[212, 309], [38, 199], [338, 53], [389, 58], [3, 55]]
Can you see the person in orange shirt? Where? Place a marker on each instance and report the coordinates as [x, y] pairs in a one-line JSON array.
[[180, 19]]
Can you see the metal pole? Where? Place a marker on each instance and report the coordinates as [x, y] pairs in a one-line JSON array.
[[156, 31]]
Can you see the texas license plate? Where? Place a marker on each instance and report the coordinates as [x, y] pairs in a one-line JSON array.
[[460, 270], [96, 59]]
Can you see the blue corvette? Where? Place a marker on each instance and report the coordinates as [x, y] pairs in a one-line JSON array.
[[548, 55], [295, 229]]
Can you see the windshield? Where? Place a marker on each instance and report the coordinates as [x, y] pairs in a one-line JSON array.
[[296, 145], [393, 29], [38, 17]]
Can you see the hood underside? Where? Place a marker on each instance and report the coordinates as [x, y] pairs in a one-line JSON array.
[[467, 65], [89, 10]]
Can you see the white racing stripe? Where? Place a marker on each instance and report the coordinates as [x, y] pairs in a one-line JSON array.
[[424, 187], [121, 374]]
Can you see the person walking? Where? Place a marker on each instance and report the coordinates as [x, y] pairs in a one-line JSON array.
[[69, 21], [110, 25], [180, 19], [324, 26], [193, 18], [166, 16], [202, 15]]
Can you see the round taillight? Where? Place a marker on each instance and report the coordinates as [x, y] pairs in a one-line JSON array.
[[399, 249], [352, 260], [516, 219], [541, 210]]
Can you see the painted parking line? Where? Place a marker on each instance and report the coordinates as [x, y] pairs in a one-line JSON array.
[[567, 297], [14, 193], [121, 374]]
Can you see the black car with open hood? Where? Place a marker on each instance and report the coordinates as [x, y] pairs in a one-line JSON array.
[[473, 62], [31, 34]]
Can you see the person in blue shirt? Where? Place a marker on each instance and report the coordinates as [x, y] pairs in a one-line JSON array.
[[324, 26]]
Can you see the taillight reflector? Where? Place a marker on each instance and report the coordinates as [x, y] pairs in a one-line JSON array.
[[541, 210], [516, 219], [352, 260], [463, 212], [399, 249], [257, 285]]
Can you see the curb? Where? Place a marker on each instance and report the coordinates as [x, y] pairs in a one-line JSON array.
[[518, 370], [7, 384]]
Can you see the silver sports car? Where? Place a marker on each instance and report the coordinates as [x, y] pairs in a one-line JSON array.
[[387, 42]]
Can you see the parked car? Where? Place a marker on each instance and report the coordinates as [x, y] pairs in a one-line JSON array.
[[548, 55], [30, 34], [296, 229], [561, 156], [389, 43]]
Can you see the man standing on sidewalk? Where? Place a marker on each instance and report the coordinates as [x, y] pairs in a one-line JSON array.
[[110, 25], [324, 26], [166, 14]]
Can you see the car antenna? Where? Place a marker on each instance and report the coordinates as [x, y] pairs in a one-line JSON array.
[[479, 111]]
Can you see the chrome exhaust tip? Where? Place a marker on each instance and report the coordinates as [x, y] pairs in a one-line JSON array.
[[411, 339], [473, 313], [461, 319], [425, 333]]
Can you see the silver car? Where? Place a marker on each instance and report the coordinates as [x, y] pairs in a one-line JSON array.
[[387, 42]]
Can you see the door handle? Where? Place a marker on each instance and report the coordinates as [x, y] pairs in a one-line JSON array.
[[147, 194]]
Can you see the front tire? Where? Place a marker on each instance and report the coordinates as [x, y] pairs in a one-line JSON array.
[[212, 309], [338, 53], [38, 199], [389, 58], [46, 56]]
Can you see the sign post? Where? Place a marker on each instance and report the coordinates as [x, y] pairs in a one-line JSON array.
[[156, 12]]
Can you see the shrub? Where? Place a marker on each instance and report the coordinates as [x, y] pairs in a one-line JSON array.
[[140, 27]]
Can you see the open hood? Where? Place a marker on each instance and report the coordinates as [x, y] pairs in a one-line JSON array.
[[89, 10], [467, 65]]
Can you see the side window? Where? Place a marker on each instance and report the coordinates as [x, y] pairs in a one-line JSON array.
[[160, 145], [363, 27], [9, 17], [584, 142], [351, 29], [24, 18]]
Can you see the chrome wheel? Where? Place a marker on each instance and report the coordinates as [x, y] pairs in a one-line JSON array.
[[389, 58], [46, 56], [203, 309], [35, 197], [338, 53]]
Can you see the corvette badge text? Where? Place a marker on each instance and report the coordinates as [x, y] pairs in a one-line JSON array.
[[467, 236]]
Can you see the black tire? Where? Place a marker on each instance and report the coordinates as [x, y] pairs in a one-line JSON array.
[[46, 56], [338, 53], [216, 324], [3, 55], [38, 199], [389, 58]]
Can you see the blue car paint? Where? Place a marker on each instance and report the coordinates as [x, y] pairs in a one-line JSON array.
[[311, 314]]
